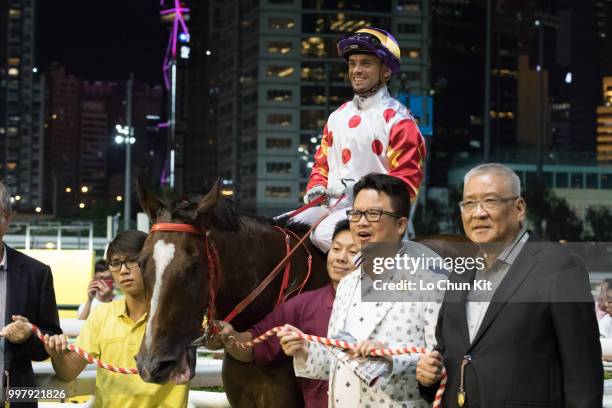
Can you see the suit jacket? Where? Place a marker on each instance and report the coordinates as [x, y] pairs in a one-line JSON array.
[[30, 294], [396, 324], [538, 343]]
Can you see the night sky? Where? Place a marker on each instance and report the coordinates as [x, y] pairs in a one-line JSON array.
[[102, 39]]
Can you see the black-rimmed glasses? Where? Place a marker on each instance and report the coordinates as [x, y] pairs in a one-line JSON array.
[[115, 266], [372, 215]]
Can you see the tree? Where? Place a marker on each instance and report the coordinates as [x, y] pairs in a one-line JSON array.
[[550, 215], [427, 218], [600, 220]]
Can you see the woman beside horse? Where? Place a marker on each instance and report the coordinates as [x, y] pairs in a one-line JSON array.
[[309, 310]]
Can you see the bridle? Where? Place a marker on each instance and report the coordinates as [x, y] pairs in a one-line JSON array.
[[210, 251], [214, 264]]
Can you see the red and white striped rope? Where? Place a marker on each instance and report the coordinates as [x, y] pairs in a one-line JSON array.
[[352, 346], [86, 356], [323, 340]]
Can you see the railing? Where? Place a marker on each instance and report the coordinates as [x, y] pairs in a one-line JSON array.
[[208, 374]]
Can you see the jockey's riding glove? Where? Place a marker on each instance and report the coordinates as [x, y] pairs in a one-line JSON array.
[[346, 189], [313, 193]]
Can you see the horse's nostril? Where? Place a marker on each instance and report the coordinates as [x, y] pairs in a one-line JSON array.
[[164, 366]]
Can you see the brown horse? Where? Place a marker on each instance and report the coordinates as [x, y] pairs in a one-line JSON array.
[[176, 272]]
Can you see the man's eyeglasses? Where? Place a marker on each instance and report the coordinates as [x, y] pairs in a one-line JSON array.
[[489, 204], [372, 215], [115, 266]]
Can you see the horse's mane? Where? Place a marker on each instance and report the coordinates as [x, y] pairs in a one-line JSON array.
[[226, 216]]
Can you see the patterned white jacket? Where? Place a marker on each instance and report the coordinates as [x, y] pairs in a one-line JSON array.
[[396, 324]]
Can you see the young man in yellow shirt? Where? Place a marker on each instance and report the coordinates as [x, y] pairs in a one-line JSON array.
[[113, 334]]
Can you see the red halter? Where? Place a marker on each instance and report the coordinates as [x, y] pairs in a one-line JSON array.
[[170, 226], [212, 257]]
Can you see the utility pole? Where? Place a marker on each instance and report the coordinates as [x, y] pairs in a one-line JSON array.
[[487, 93], [128, 156], [542, 111]]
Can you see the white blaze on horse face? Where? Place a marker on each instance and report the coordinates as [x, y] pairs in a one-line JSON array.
[[163, 254]]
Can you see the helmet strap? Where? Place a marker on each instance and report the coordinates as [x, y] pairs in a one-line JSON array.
[[370, 91]]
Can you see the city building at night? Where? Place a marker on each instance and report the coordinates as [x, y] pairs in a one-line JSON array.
[[21, 106], [273, 75], [84, 166], [604, 124]]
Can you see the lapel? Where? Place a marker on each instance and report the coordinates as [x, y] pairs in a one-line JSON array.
[[525, 261], [344, 306], [376, 314], [16, 283], [342, 303], [456, 301]]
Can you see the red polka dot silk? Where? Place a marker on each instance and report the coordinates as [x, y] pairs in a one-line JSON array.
[[354, 121], [346, 155], [377, 147], [388, 114]]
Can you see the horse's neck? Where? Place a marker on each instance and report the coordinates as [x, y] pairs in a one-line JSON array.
[[246, 258]]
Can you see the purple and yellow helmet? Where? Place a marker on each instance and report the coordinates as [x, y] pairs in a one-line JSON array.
[[372, 40]]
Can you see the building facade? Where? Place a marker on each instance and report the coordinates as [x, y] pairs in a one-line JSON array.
[[21, 105], [274, 75]]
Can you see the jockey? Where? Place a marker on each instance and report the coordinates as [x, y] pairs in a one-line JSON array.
[[373, 133]]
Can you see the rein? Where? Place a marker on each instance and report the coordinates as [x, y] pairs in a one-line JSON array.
[[260, 288], [214, 264]]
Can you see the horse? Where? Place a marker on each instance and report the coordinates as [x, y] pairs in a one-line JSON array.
[[176, 269], [213, 262]]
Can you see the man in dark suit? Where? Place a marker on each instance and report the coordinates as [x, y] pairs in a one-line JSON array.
[[532, 341], [26, 295]]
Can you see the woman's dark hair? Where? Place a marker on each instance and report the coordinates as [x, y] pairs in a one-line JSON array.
[[342, 225], [128, 243], [395, 188], [100, 266]]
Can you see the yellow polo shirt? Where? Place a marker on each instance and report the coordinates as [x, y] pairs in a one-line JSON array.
[[110, 335]]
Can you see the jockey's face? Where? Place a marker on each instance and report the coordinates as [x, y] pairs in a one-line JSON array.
[[387, 229], [340, 256], [365, 71]]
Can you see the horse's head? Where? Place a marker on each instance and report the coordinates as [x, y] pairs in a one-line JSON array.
[[175, 273]]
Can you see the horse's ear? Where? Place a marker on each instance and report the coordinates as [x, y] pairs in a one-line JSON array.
[[209, 200], [149, 203]]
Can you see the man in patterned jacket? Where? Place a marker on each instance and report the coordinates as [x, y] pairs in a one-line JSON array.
[[373, 133]]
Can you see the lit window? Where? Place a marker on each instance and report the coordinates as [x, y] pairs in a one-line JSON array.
[[278, 143], [278, 192], [280, 95], [13, 71], [278, 168], [313, 47], [278, 119], [312, 119], [280, 23], [279, 71], [14, 61], [408, 5], [279, 47], [14, 13]]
